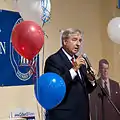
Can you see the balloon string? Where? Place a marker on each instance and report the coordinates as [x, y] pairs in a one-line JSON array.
[[41, 112], [32, 64], [43, 53], [46, 12], [33, 70]]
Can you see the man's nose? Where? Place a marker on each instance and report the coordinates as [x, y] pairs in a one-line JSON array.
[[106, 71], [78, 43]]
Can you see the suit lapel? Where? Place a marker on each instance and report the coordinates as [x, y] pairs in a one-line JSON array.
[[66, 61], [99, 81], [111, 90]]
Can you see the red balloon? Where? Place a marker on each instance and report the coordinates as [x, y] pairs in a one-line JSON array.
[[27, 39]]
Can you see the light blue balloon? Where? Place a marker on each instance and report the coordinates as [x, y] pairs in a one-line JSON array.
[[50, 90]]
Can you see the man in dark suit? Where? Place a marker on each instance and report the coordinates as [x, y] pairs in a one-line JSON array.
[[101, 109], [75, 105]]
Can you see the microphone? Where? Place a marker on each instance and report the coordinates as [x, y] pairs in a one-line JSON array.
[[89, 66]]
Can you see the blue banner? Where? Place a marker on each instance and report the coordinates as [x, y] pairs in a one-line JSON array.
[[14, 69]]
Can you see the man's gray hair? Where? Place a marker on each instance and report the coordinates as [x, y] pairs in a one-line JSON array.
[[68, 32]]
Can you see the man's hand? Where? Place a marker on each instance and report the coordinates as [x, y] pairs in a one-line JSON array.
[[91, 74], [78, 62]]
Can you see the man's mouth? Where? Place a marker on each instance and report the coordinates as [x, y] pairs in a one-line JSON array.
[[76, 48]]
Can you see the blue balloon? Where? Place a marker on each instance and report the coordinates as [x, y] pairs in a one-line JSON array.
[[50, 90]]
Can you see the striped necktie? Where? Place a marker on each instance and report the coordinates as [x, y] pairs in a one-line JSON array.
[[106, 87], [72, 60]]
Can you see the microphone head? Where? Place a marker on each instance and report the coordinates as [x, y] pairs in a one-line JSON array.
[[87, 60], [84, 55]]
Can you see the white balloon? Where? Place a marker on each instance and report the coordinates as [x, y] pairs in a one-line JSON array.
[[30, 10], [114, 30], [35, 10]]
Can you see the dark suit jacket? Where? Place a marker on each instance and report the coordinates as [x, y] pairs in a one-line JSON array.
[[75, 105], [96, 103]]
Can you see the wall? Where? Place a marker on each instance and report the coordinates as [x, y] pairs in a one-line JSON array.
[[92, 17]]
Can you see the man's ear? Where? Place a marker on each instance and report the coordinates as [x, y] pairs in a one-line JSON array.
[[64, 41]]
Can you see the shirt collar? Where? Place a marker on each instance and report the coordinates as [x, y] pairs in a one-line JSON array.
[[103, 82], [107, 80], [68, 56]]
